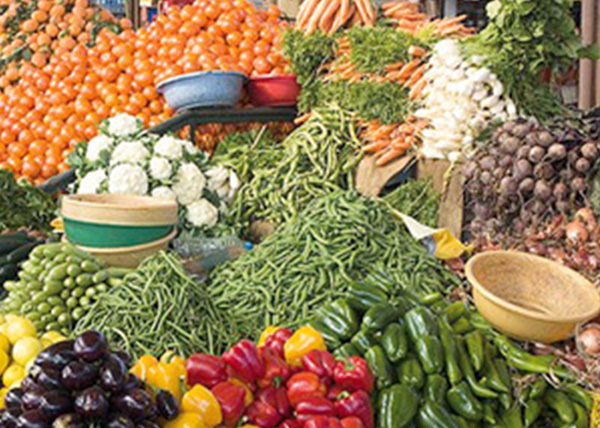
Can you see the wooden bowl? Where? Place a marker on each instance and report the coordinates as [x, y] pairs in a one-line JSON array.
[[113, 221], [529, 297]]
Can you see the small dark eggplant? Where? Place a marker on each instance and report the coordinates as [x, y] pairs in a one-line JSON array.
[[91, 346], [167, 405], [113, 375], [31, 400], [77, 376], [147, 424], [119, 421], [124, 357], [69, 420], [29, 385], [132, 382], [8, 420], [58, 355], [56, 403], [91, 403], [13, 401], [136, 404], [47, 377], [32, 419]]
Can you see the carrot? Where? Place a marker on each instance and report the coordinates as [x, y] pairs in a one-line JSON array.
[[341, 17], [383, 131], [355, 20], [313, 22], [389, 156], [306, 10], [301, 119], [376, 146], [401, 143], [370, 10], [327, 19], [362, 12], [393, 67], [447, 22], [417, 89], [395, 8], [416, 76], [407, 70], [450, 30], [417, 51]]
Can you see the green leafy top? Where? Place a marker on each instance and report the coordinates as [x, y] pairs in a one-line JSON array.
[[307, 53]]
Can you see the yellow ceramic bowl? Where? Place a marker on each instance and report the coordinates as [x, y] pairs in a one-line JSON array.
[[529, 297]]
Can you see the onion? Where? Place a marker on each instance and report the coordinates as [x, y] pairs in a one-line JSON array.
[[582, 165], [545, 138], [589, 339], [558, 255], [526, 185], [560, 191], [510, 145], [487, 163], [576, 232], [523, 152], [542, 190], [557, 152], [521, 130], [578, 184], [536, 154], [590, 150], [543, 171]]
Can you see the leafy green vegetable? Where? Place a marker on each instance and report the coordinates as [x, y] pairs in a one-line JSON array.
[[523, 39], [22, 205], [307, 53]]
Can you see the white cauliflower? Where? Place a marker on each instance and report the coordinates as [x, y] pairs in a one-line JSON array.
[[163, 192], [189, 184], [202, 213], [127, 179], [160, 168], [189, 147], [91, 182], [123, 124], [131, 152], [223, 182], [169, 147], [96, 145]]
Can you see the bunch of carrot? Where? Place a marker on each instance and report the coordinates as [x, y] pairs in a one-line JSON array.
[[407, 17], [331, 15]]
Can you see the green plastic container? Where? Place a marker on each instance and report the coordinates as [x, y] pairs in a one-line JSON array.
[[112, 236]]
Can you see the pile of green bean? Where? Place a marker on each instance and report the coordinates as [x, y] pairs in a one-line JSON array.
[[338, 239], [317, 158], [418, 199], [157, 307]]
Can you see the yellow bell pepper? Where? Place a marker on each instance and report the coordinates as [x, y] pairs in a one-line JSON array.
[[175, 360], [165, 376], [201, 401], [266, 333], [140, 368], [249, 396], [186, 420], [301, 343]]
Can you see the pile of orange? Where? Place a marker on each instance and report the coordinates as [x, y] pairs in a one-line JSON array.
[[46, 109]]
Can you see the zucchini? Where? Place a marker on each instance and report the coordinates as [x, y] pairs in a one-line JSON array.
[[21, 253], [8, 272], [9, 245]]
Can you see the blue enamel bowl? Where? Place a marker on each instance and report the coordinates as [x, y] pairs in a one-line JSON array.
[[203, 89]]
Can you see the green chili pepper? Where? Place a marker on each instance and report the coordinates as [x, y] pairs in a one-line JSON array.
[[394, 342], [410, 373], [503, 370], [560, 403], [449, 345], [462, 326], [489, 414], [380, 366], [397, 406], [363, 341], [533, 409], [464, 403], [582, 419], [431, 298], [432, 415], [469, 373], [420, 323], [362, 296], [336, 322], [532, 363], [506, 400], [379, 316], [538, 387], [454, 311], [430, 353], [579, 395], [345, 351], [512, 418], [492, 375], [436, 387], [474, 342]]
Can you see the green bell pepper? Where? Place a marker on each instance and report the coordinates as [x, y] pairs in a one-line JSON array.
[[394, 342], [533, 409], [397, 406], [430, 354], [464, 403], [379, 316], [462, 326], [410, 373], [345, 351], [436, 387], [363, 341], [432, 415], [380, 366], [336, 322], [420, 323], [454, 311], [362, 296]]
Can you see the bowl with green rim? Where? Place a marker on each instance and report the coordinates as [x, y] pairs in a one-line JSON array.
[[117, 221]]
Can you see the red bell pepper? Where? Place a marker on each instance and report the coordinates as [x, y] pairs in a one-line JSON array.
[[245, 360], [320, 363], [263, 414], [290, 423], [334, 392], [352, 423], [312, 407], [277, 371], [276, 341], [357, 404], [322, 422], [304, 385], [232, 399], [353, 374], [277, 398], [206, 370]]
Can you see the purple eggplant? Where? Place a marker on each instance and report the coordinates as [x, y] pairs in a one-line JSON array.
[[69, 420], [147, 424], [31, 400], [132, 382], [47, 377], [124, 357], [13, 401], [8, 420], [56, 403], [137, 404], [29, 385], [91, 346], [113, 375], [77, 376], [91, 403], [167, 405], [57, 355], [118, 420], [32, 419]]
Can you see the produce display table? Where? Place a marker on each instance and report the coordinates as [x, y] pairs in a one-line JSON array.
[[194, 118]]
